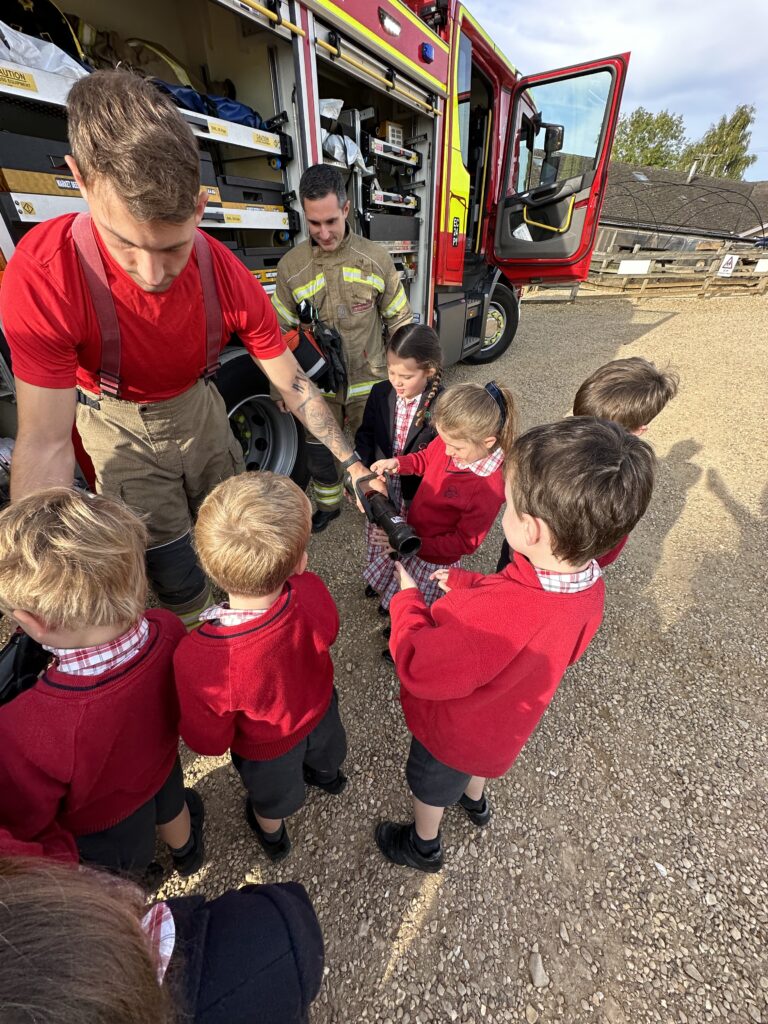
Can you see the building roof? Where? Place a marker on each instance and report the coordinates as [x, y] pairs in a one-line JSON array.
[[653, 199]]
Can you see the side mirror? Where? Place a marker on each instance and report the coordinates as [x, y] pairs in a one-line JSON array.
[[553, 139]]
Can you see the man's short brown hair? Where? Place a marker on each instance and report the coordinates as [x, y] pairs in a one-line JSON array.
[[73, 559], [124, 131], [628, 391], [589, 480], [251, 532]]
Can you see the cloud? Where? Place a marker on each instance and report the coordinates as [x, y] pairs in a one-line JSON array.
[[698, 58]]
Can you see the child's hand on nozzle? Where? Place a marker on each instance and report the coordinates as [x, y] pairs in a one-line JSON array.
[[440, 576], [407, 582], [383, 466]]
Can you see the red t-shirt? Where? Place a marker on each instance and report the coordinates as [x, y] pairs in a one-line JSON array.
[[54, 336]]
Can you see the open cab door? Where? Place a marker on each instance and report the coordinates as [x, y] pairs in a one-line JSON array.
[[560, 134]]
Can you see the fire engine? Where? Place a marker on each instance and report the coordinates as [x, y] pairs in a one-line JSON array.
[[477, 180]]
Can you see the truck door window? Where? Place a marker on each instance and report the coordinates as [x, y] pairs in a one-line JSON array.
[[560, 138], [464, 92]]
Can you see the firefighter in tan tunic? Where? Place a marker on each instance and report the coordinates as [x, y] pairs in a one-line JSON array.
[[352, 286]]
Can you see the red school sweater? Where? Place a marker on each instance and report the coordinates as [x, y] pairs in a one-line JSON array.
[[453, 509], [85, 752], [610, 556], [478, 669], [259, 688]]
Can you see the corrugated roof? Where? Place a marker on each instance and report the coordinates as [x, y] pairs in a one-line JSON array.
[[662, 200]]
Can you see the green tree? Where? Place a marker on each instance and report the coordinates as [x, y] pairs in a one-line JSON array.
[[723, 150], [654, 140]]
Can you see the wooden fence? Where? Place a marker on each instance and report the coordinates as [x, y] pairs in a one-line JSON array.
[[699, 273]]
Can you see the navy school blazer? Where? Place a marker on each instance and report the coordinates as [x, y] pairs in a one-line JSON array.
[[373, 439]]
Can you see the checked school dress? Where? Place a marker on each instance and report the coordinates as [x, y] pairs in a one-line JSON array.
[[379, 572]]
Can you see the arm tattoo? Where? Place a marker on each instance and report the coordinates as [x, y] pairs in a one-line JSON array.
[[318, 419], [300, 382]]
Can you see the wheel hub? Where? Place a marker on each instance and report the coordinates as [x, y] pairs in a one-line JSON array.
[[495, 324], [268, 437]]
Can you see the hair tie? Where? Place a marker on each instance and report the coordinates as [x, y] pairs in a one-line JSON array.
[[494, 391]]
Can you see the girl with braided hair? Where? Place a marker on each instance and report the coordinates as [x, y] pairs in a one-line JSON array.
[[398, 421], [462, 488]]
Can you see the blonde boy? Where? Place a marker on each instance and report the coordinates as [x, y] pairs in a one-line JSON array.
[[92, 748], [256, 679]]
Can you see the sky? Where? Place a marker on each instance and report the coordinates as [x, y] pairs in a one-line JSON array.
[[698, 58]]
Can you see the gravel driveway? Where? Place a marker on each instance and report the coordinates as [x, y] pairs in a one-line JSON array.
[[624, 870]]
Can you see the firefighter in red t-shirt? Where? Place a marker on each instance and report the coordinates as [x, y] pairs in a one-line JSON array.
[[115, 321]]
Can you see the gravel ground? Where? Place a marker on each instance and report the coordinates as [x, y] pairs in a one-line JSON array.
[[623, 877]]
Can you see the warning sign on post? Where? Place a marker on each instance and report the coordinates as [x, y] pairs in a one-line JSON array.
[[728, 265]]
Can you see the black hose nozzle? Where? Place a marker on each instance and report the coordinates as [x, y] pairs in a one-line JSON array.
[[381, 510]]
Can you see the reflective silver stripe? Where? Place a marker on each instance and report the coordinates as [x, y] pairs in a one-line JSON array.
[[283, 312], [319, 365], [353, 275], [396, 304], [309, 289]]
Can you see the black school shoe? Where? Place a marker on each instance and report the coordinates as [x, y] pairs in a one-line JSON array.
[[275, 851], [383, 612], [334, 787], [387, 632], [153, 877], [188, 863], [369, 591], [323, 517], [386, 654], [479, 816], [394, 841]]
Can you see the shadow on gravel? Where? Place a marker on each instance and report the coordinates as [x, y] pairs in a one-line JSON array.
[[676, 475], [588, 334]]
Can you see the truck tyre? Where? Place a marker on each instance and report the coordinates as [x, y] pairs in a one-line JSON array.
[[270, 439], [501, 326]]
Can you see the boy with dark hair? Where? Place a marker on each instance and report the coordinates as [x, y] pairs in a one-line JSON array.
[[478, 668], [256, 679], [631, 392], [92, 748]]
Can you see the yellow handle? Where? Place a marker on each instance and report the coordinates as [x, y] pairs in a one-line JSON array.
[[261, 9], [548, 227], [375, 75]]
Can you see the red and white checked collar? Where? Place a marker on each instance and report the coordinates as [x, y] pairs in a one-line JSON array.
[[223, 615], [569, 582], [93, 661], [405, 411], [483, 467], [160, 929]]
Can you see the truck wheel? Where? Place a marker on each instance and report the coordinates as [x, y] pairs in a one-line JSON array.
[[270, 439], [500, 328]]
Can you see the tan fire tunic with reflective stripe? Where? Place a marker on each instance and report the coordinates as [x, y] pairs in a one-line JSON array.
[[354, 289]]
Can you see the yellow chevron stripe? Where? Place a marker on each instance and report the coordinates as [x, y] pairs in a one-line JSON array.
[[283, 312], [396, 304], [353, 275], [360, 390], [308, 290]]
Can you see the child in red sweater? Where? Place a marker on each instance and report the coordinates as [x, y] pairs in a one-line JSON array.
[[256, 678], [462, 488], [629, 391], [479, 668], [92, 747]]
